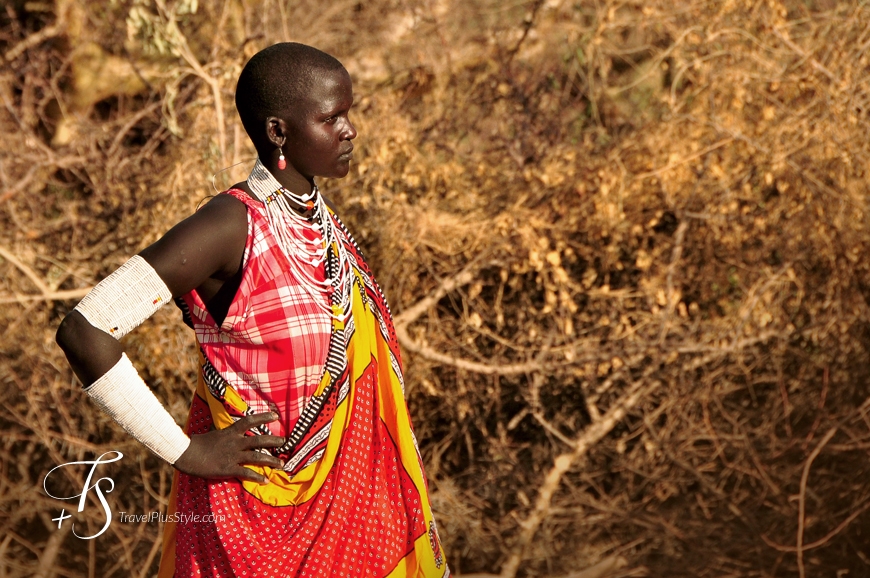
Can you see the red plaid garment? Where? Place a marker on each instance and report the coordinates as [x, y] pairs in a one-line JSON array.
[[272, 345]]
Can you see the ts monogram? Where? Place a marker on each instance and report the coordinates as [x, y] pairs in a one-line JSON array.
[[88, 486]]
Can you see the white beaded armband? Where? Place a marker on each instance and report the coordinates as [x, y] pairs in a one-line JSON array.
[[122, 394], [123, 300]]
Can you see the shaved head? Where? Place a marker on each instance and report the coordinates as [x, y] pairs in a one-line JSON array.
[[276, 81]]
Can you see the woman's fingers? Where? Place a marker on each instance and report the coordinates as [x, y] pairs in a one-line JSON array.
[[260, 459], [248, 474], [251, 421], [221, 454], [255, 442]]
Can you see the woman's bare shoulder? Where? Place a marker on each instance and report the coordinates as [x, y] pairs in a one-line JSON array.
[[209, 243], [243, 187]]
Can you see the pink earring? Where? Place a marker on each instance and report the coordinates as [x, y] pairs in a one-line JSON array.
[[282, 164]]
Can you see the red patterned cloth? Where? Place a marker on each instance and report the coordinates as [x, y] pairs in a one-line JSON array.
[[352, 499], [272, 344], [357, 525]]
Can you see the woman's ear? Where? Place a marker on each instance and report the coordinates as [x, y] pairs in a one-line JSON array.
[[276, 131]]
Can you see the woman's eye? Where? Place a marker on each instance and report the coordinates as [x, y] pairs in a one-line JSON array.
[[330, 120]]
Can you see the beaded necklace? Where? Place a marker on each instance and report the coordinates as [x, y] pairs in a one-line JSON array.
[[325, 248]]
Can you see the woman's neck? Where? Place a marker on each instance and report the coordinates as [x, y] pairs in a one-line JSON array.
[[263, 184], [289, 177]]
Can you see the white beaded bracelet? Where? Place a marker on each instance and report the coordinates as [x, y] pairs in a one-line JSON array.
[[122, 394], [123, 300]]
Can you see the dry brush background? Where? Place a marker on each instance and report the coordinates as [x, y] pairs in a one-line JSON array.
[[625, 242]]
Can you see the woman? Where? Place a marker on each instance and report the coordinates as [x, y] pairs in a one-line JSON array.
[[298, 457]]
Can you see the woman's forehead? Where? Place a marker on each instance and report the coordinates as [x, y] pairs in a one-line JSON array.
[[329, 89]]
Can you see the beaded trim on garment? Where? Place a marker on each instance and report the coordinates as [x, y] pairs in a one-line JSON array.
[[302, 252]]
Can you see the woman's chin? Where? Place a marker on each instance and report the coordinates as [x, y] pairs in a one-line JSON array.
[[340, 171]]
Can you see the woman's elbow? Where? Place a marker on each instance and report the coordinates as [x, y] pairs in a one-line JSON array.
[[69, 332], [89, 351]]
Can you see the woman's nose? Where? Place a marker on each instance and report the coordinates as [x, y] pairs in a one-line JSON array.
[[349, 132]]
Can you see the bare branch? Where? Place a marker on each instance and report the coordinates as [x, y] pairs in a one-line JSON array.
[[584, 442], [460, 363], [46, 292], [50, 553], [30, 273], [190, 58], [800, 52], [676, 254], [408, 316], [824, 539], [411, 314], [49, 296], [690, 158], [802, 498], [35, 39]]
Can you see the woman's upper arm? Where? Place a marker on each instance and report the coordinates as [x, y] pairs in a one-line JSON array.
[[209, 243]]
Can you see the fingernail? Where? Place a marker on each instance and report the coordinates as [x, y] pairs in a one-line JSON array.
[[274, 415]]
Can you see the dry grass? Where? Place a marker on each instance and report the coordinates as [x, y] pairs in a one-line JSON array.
[[624, 242]]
